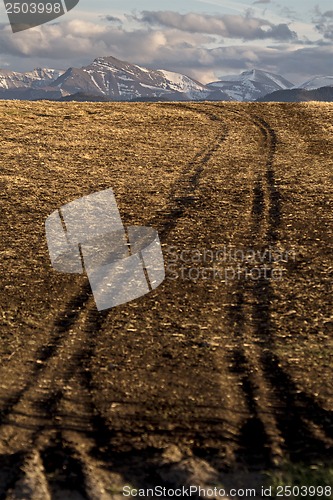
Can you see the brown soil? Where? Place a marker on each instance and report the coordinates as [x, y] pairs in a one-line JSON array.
[[203, 381]]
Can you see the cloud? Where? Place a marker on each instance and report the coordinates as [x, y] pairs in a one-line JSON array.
[[229, 26], [78, 40], [324, 23], [262, 1], [113, 19], [77, 43]]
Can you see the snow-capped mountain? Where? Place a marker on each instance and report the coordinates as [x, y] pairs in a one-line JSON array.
[[251, 85], [316, 83], [119, 80], [109, 79], [39, 77]]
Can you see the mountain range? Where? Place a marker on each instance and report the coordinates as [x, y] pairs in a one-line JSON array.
[[109, 79]]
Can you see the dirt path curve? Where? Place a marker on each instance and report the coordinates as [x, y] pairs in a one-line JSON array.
[[195, 378]]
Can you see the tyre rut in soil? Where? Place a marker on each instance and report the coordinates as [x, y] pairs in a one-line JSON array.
[[183, 189], [180, 195], [59, 328], [295, 404], [291, 404], [181, 198]]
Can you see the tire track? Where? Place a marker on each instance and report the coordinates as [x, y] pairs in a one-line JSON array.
[[180, 199], [43, 395], [296, 405], [260, 439], [60, 327], [267, 440], [183, 190], [68, 436]]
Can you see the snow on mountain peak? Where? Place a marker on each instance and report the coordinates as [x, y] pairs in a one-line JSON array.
[[109, 78], [181, 83], [251, 84], [36, 78], [120, 80], [316, 83]]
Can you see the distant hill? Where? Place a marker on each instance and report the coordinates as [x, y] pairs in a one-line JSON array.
[[217, 95], [82, 97], [30, 94], [300, 95]]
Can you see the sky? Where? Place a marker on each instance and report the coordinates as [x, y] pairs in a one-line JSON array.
[[204, 39]]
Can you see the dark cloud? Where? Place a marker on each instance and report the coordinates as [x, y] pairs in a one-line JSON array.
[[229, 26], [324, 23], [262, 1], [113, 19]]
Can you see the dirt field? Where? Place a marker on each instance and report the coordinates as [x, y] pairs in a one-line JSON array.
[[211, 379]]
